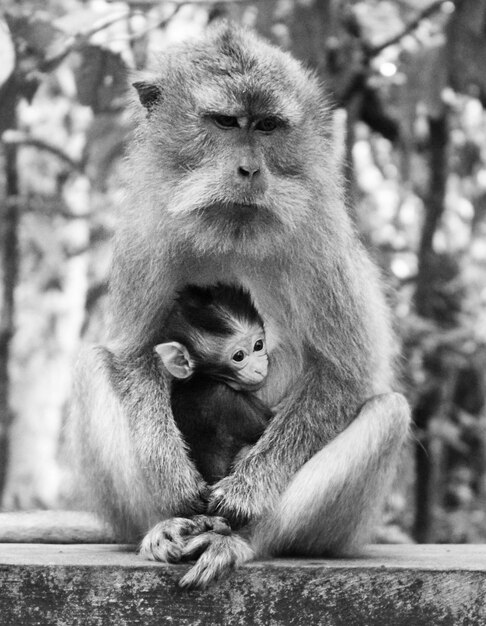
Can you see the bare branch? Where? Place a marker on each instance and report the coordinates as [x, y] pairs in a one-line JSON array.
[[79, 40], [51, 206], [161, 23], [21, 139], [432, 8], [153, 3]]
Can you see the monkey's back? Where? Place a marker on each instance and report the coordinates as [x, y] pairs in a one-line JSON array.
[[216, 422]]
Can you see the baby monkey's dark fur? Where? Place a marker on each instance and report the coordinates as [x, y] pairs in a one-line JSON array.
[[217, 421]]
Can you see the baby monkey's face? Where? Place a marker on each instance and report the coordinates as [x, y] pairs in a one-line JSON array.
[[247, 359]]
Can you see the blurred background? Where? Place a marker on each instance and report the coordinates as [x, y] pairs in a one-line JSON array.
[[408, 80]]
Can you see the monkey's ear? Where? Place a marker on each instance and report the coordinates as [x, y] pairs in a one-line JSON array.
[[148, 93], [176, 359]]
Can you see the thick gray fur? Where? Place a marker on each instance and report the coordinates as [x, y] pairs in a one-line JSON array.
[[319, 473]]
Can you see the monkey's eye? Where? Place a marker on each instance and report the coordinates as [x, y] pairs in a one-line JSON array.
[[238, 356], [225, 121], [258, 345], [267, 124]]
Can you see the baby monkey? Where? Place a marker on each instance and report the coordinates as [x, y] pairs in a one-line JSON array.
[[217, 355]]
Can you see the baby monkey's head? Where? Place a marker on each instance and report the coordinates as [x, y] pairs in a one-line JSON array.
[[215, 331]]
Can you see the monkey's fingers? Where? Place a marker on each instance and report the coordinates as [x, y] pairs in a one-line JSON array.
[[227, 503], [220, 554]]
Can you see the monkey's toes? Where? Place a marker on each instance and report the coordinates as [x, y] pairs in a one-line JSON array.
[[217, 556], [164, 542], [203, 523]]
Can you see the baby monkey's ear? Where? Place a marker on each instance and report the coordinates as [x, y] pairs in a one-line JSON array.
[[176, 359], [148, 92]]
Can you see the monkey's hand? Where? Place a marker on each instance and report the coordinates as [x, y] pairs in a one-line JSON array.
[[167, 540], [219, 553], [236, 500]]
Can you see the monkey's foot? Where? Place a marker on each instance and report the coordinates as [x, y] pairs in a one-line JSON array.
[[166, 541], [219, 553]]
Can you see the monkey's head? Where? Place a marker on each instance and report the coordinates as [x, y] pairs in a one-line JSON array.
[[217, 332], [234, 134]]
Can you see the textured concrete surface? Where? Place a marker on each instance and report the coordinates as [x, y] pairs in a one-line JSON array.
[[106, 584]]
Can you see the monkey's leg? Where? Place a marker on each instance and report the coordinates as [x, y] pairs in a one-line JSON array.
[[329, 505], [127, 445], [331, 502], [316, 410], [319, 407]]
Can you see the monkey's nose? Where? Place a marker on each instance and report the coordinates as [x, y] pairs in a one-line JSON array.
[[248, 171], [261, 371]]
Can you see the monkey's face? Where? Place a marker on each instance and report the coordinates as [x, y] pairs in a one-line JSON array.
[[237, 131], [246, 360]]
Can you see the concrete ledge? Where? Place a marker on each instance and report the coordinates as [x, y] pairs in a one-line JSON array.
[[53, 527], [405, 585]]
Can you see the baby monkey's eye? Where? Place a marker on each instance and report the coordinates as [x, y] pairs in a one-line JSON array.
[[258, 345], [238, 356], [225, 121], [267, 124]]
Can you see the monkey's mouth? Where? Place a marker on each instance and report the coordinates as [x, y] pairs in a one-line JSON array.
[[249, 209], [244, 386], [236, 210], [243, 224], [237, 214]]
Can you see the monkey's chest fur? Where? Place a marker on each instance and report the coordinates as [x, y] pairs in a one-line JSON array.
[[216, 422]]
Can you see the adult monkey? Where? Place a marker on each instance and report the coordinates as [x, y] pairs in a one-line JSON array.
[[233, 180]]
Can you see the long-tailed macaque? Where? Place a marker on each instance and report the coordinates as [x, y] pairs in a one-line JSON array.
[[216, 352], [233, 179]]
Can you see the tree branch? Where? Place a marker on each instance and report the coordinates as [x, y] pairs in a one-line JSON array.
[[152, 3], [78, 41], [50, 206], [161, 23], [17, 138], [374, 51]]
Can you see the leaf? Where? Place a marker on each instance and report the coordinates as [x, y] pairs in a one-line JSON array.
[[472, 15], [105, 142], [81, 19], [7, 53], [101, 79], [383, 18], [467, 48], [9, 89], [426, 72], [9, 95], [35, 35]]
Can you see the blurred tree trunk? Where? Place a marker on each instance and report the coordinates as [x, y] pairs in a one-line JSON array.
[[9, 266], [428, 461]]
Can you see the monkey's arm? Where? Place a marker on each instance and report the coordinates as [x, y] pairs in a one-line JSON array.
[[325, 508], [296, 432], [126, 444], [318, 408]]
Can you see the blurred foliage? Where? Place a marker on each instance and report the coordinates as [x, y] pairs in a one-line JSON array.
[[409, 82]]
